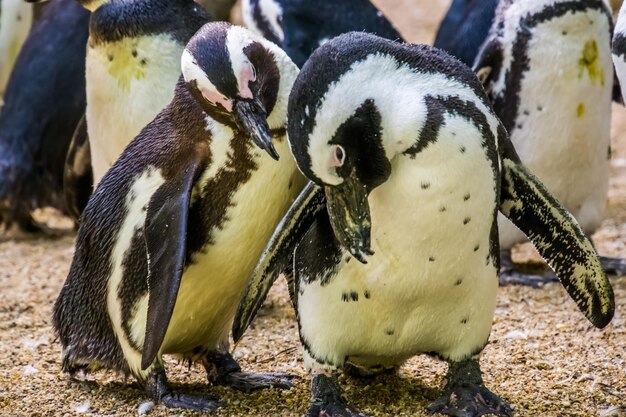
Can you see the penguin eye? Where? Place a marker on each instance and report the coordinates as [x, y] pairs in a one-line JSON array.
[[340, 155], [253, 72]]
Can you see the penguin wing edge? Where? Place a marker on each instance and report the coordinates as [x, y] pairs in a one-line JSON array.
[[559, 239], [165, 237], [78, 173], [278, 255]]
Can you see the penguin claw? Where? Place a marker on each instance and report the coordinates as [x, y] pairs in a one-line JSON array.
[[613, 266], [203, 404], [470, 401], [332, 409], [248, 382]]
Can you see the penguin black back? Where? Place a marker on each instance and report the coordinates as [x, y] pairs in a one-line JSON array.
[[465, 27], [44, 101]]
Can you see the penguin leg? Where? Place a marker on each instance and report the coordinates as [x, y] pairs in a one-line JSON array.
[[465, 395], [157, 387], [326, 398], [510, 273], [222, 369]]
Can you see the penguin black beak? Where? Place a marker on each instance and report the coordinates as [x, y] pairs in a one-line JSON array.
[[349, 214], [250, 117]]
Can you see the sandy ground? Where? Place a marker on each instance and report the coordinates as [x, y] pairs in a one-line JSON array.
[[543, 356]]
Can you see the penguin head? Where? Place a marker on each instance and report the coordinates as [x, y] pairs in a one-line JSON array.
[[240, 79], [266, 17]]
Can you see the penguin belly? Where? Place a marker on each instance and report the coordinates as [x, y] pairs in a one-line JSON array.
[[214, 281], [128, 83], [16, 19], [562, 131], [431, 284]]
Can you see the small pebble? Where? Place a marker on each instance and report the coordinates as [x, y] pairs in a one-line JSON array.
[[144, 408], [83, 408]]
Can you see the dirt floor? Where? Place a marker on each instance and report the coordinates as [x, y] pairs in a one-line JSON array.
[[543, 356]]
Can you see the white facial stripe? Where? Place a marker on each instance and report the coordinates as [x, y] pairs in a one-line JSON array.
[[137, 199], [192, 72], [398, 92], [272, 11], [237, 39], [620, 26]]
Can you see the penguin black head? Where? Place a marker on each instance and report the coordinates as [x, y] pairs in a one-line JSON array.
[[240, 80]]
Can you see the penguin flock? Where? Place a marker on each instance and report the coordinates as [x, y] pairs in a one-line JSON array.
[[387, 181]]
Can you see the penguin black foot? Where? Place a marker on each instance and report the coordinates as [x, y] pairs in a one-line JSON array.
[[510, 274], [222, 369], [158, 388], [613, 266], [327, 400], [466, 396]]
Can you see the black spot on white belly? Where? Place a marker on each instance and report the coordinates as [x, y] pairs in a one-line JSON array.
[[526, 113], [110, 57], [540, 108], [389, 331], [354, 296], [466, 197], [442, 209], [564, 33], [431, 259], [366, 293], [134, 53], [19, 17], [425, 185], [465, 320], [467, 220], [462, 149], [345, 297], [144, 61], [476, 248], [458, 282]]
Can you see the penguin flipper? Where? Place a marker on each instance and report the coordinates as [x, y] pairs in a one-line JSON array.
[[165, 237], [558, 237], [278, 255], [78, 173]]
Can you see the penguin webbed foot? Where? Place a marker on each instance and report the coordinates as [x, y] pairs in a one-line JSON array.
[[613, 266], [327, 400], [159, 389], [466, 396], [513, 274], [222, 369]]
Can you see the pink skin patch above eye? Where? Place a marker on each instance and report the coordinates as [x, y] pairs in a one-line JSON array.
[[247, 75], [217, 98]]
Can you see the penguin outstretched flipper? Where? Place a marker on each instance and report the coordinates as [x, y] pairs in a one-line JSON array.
[[278, 255], [78, 173], [557, 236], [165, 237]]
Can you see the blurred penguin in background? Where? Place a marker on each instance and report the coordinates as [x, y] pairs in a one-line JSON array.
[[218, 9], [44, 100], [300, 26]]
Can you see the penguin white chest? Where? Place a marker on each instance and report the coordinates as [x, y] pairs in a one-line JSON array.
[[562, 130], [128, 83], [431, 285]]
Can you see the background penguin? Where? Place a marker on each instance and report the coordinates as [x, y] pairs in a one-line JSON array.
[[133, 63], [619, 48], [547, 69], [16, 17], [300, 26], [218, 9], [414, 169], [44, 100], [172, 232], [465, 27]]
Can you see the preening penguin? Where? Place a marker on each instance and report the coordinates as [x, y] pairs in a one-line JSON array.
[[555, 103], [465, 27], [174, 228], [133, 63], [44, 100], [300, 26], [411, 172]]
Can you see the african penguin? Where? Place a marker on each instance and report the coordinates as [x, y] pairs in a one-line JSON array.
[[555, 102], [619, 48], [133, 63], [300, 26], [16, 17], [465, 27], [44, 100], [173, 229], [410, 172]]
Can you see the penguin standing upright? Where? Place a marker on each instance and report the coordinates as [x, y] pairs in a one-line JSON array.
[[300, 26], [44, 100], [465, 27], [547, 68], [16, 18], [412, 171], [173, 229], [133, 63]]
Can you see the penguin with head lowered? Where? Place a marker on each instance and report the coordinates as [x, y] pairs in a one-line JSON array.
[[300, 26], [174, 228], [410, 173], [133, 64], [546, 66], [43, 102]]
